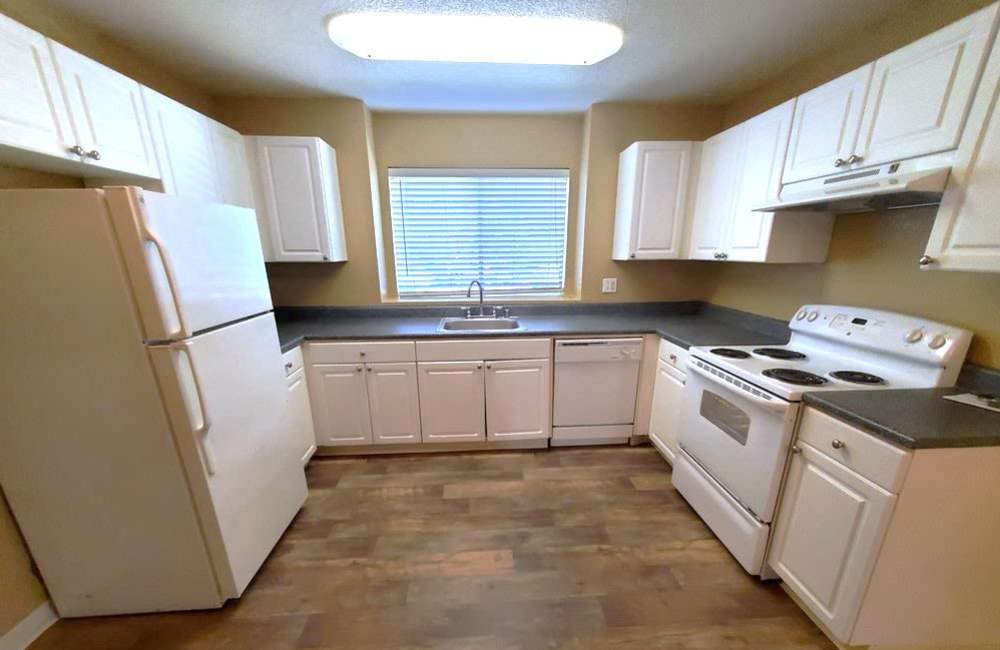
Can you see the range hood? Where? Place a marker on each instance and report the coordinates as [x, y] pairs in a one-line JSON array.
[[887, 187]]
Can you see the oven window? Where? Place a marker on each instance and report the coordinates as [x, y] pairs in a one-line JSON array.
[[730, 419]]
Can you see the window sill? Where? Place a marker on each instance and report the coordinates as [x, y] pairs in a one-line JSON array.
[[462, 300]]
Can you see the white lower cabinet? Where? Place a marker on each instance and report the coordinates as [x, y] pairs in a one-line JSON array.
[[518, 399], [393, 402], [827, 536], [452, 401], [300, 414], [664, 420], [339, 398]]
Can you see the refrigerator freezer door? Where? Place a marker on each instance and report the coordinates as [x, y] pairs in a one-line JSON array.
[[193, 265], [226, 398]]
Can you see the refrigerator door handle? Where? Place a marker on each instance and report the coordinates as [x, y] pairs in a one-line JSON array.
[[149, 235], [201, 431]]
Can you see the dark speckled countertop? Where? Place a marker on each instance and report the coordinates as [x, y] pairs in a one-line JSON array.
[[684, 323], [913, 418]]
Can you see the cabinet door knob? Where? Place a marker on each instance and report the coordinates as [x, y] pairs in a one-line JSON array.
[[288, 366], [854, 158], [479, 366], [723, 256], [369, 369], [489, 365], [837, 444], [839, 162], [926, 260], [358, 368], [76, 150], [94, 153], [796, 449], [362, 354], [673, 357]]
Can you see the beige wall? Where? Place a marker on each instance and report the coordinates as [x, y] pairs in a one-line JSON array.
[[873, 257], [341, 123], [88, 40], [613, 127], [476, 140]]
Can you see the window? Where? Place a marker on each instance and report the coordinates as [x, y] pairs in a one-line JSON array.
[[503, 227]]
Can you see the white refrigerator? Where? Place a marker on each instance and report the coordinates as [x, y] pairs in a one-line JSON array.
[[145, 448]]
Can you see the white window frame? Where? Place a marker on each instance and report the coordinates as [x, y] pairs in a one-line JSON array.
[[559, 292]]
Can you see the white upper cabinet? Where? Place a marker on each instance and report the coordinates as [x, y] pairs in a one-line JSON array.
[[912, 102], [183, 148], [825, 126], [518, 399], [231, 166], [765, 144], [966, 233], [741, 168], [33, 111], [652, 200], [718, 180], [300, 199], [107, 114], [920, 94]]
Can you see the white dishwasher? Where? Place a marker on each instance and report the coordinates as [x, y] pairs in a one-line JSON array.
[[595, 386]]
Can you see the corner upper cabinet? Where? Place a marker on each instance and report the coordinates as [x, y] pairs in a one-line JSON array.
[[33, 113], [298, 199], [966, 232], [183, 145], [652, 199], [231, 165], [107, 114]]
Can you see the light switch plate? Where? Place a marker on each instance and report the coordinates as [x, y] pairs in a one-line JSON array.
[[609, 285]]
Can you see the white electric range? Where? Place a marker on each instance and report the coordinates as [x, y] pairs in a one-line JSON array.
[[740, 406]]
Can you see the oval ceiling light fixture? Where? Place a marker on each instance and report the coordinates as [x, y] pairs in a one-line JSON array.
[[474, 39]]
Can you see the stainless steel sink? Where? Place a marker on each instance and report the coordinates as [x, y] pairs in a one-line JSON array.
[[478, 324]]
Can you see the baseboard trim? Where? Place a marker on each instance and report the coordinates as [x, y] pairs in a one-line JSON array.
[[30, 628]]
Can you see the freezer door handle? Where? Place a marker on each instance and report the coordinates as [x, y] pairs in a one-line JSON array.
[[149, 235], [200, 431]]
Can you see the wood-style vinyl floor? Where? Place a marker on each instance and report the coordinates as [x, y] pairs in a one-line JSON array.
[[559, 549]]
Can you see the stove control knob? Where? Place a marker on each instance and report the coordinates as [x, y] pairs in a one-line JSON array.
[[800, 315], [813, 315], [914, 335], [937, 341]]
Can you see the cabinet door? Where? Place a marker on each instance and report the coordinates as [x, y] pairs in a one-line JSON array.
[[183, 148], [659, 197], [340, 404], [830, 525], [966, 233], [33, 111], [452, 401], [920, 94], [665, 416], [107, 113], [393, 402], [718, 181], [766, 145], [825, 126], [231, 168], [300, 414], [294, 201], [518, 400]]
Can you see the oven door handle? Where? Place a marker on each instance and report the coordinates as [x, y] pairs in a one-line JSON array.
[[776, 404]]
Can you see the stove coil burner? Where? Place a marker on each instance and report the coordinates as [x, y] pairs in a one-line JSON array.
[[730, 353], [779, 353], [857, 377], [792, 376]]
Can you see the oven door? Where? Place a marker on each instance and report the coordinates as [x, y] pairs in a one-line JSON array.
[[738, 433]]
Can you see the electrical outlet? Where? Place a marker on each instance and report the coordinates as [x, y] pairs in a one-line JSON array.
[[609, 285]]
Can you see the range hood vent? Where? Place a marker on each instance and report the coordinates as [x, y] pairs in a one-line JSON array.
[[888, 187]]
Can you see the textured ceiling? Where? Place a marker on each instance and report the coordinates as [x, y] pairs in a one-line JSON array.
[[675, 50]]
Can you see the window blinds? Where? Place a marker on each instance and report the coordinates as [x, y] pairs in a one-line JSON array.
[[505, 228]]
